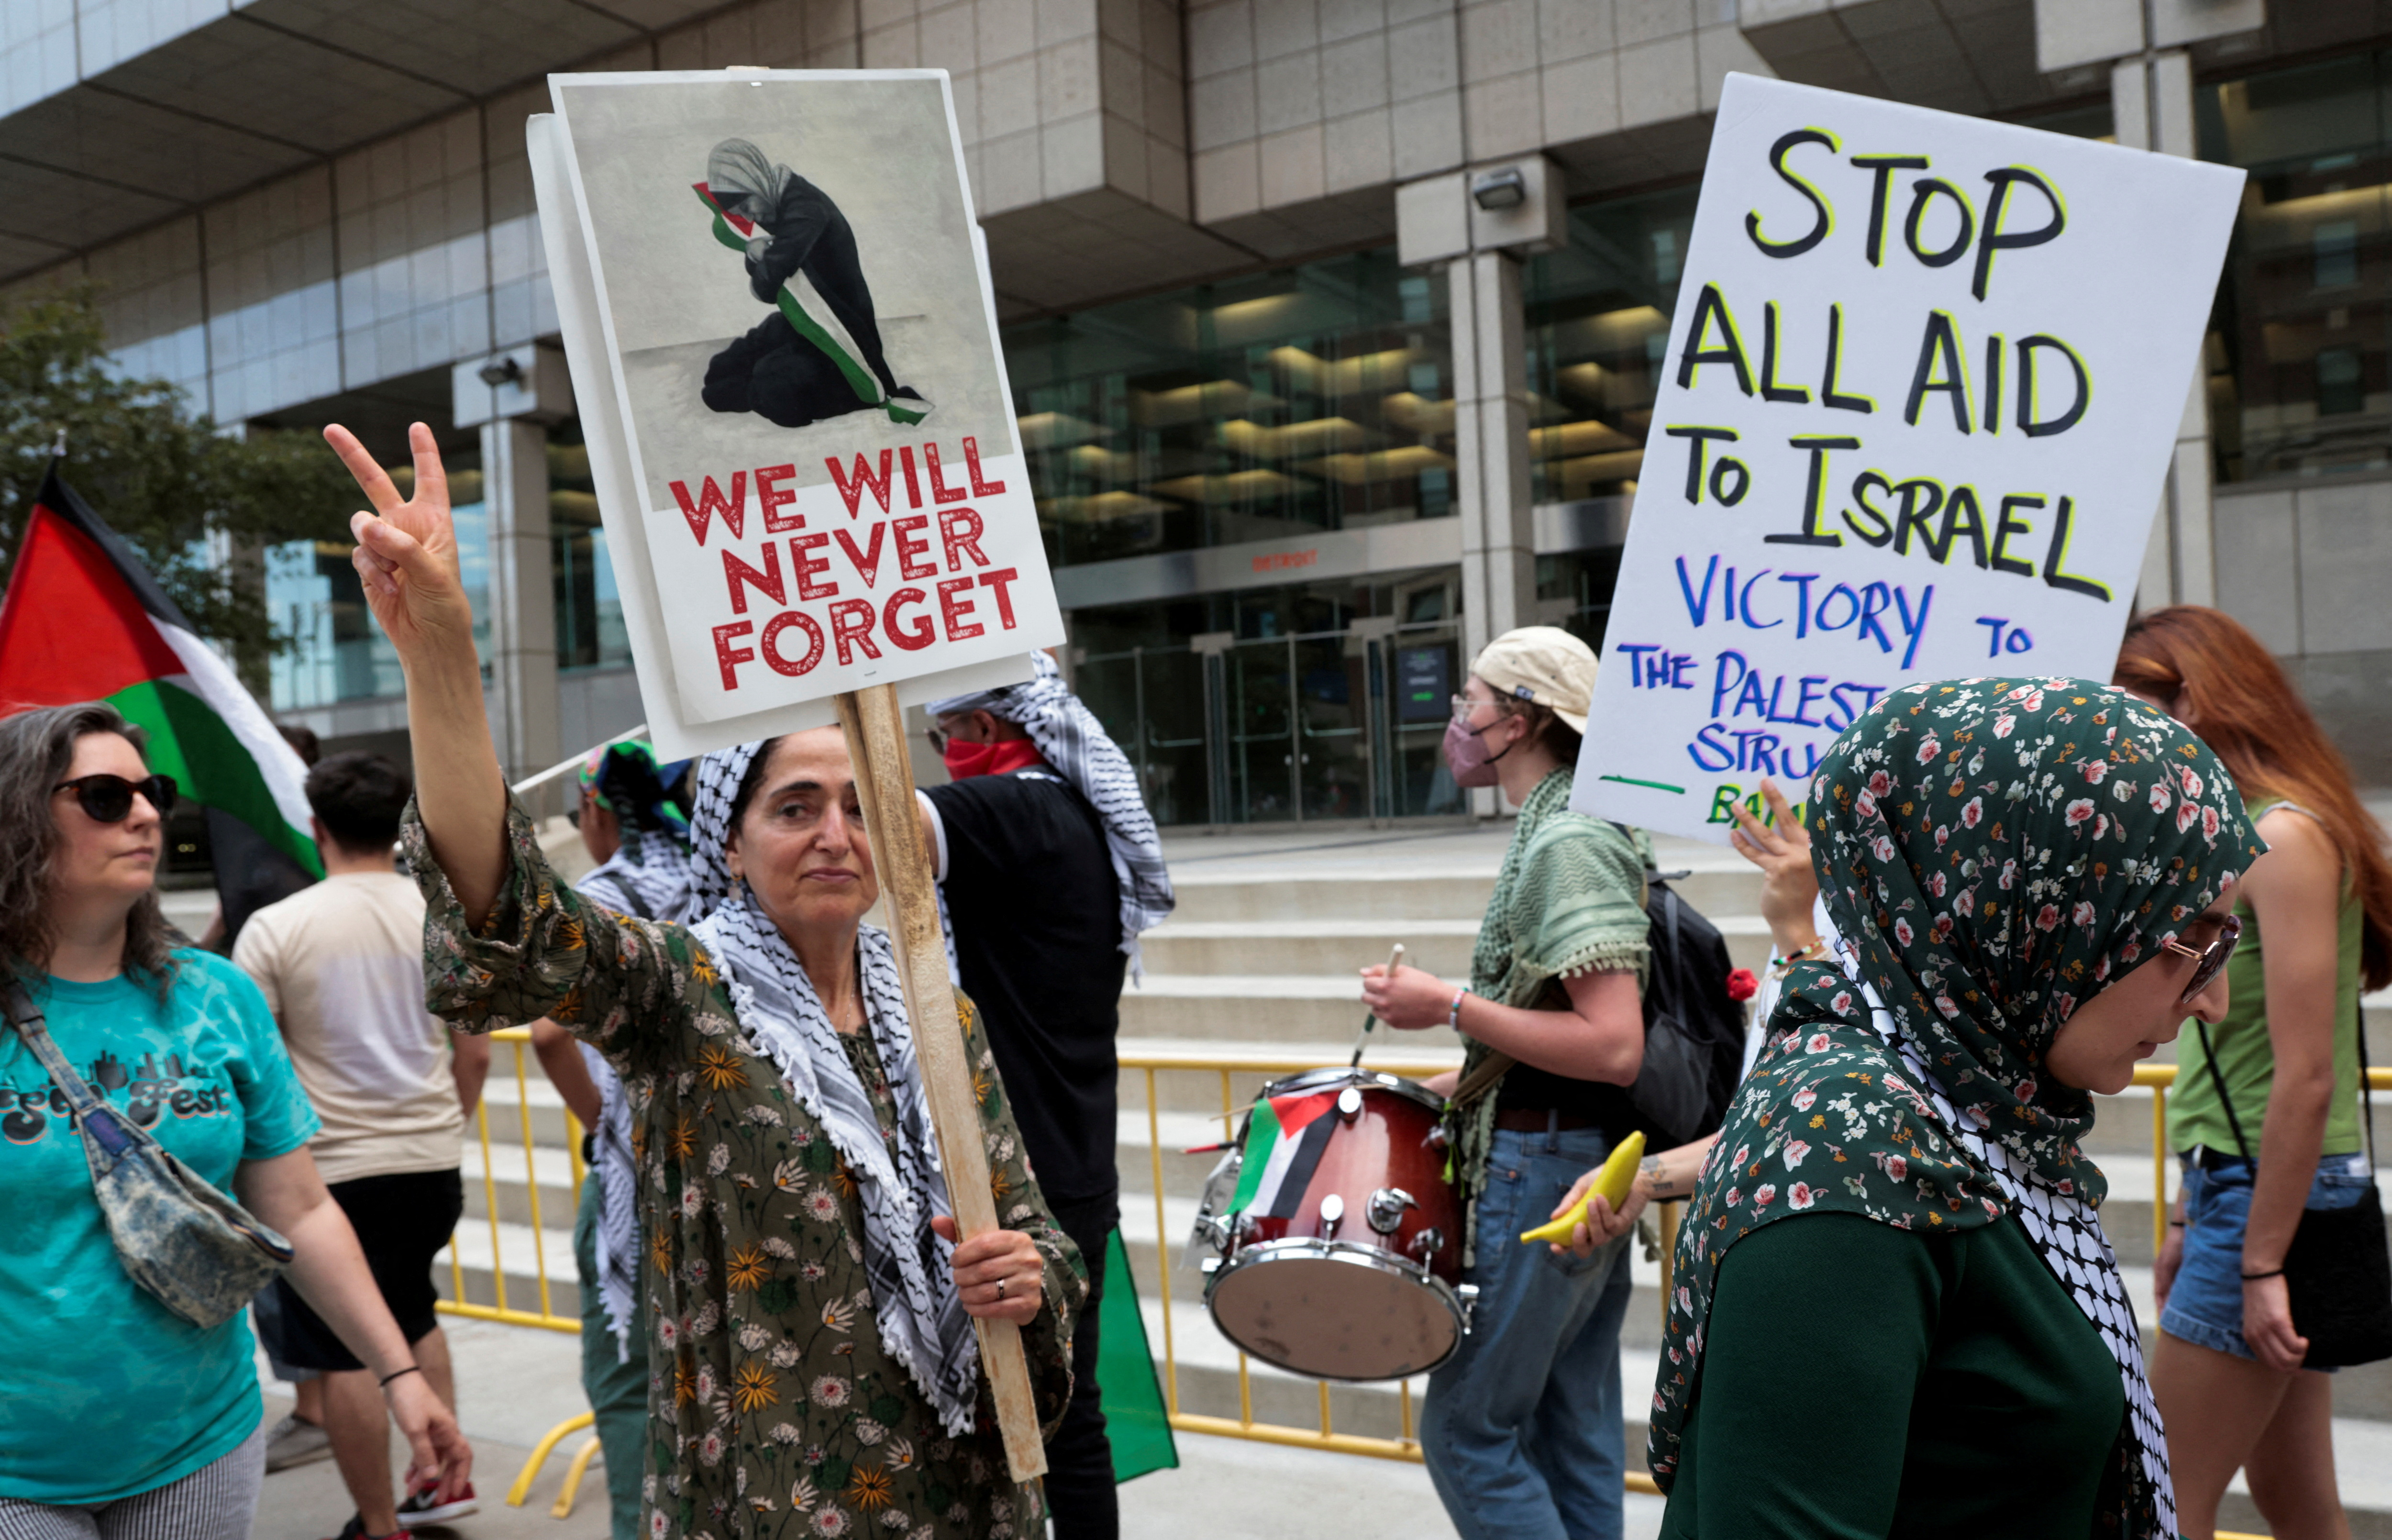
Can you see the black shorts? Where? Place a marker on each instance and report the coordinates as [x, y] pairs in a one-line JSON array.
[[402, 1223]]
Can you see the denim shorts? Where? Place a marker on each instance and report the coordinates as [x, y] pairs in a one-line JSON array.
[[2205, 1306]]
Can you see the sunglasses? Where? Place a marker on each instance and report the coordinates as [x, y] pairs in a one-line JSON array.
[[109, 797], [2210, 960]]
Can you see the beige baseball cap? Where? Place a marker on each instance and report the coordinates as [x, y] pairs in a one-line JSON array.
[[1543, 664]]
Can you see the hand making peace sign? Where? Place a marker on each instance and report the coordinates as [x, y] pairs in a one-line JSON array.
[[407, 550]]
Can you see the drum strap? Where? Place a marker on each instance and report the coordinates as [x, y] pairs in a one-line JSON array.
[[1479, 1081]]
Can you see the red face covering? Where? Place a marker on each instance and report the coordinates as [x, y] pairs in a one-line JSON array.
[[967, 759]]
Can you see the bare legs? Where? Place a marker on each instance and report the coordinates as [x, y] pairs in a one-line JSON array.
[[359, 1425], [2226, 1413]]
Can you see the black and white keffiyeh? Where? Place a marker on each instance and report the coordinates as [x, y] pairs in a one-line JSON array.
[[1070, 737], [647, 877], [899, 1182]]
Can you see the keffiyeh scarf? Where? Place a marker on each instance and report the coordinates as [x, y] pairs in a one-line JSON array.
[[1994, 853], [900, 1185], [1071, 739]]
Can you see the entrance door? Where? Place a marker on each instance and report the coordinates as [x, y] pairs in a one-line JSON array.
[[1332, 690], [1258, 685]]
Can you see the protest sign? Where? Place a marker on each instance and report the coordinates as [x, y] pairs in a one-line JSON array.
[[784, 344], [776, 307], [1921, 389]]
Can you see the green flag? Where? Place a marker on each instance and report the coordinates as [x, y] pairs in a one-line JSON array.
[[1136, 1418]]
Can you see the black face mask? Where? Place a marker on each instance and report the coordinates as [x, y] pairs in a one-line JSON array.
[[109, 799]]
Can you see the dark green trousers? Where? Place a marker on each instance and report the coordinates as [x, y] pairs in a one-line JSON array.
[[617, 1391]]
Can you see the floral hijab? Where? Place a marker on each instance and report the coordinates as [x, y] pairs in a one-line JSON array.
[[1994, 853]]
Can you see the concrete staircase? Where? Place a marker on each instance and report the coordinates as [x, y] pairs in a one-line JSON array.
[[1259, 963]]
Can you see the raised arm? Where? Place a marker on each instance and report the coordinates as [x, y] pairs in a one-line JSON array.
[[407, 559]]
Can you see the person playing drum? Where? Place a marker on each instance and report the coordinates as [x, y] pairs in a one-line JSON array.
[[1522, 1426]]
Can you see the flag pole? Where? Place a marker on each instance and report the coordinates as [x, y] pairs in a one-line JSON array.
[[533, 783]]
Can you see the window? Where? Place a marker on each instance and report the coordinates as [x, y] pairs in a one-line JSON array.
[[1316, 398], [2297, 356], [590, 631]]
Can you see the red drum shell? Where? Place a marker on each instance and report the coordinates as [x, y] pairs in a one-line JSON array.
[[1339, 1300]]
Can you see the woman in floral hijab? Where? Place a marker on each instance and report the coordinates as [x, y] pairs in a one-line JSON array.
[[2030, 879]]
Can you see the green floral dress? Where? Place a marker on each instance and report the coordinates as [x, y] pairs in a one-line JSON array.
[[774, 1410]]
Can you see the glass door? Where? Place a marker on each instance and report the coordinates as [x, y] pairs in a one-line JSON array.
[[1259, 704]]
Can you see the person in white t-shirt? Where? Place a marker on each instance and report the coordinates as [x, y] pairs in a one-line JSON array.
[[342, 967]]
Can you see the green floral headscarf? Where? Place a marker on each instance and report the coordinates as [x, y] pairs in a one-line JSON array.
[[1993, 854]]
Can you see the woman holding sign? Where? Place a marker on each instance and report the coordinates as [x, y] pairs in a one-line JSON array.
[[809, 1309], [2032, 881], [2267, 1112]]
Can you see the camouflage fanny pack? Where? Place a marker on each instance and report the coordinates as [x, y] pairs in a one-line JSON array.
[[198, 1251]]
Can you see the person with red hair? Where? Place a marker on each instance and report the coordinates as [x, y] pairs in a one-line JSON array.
[[2267, 1110]]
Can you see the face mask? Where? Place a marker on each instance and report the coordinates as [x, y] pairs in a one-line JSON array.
[[966, 760], [1466, 755]]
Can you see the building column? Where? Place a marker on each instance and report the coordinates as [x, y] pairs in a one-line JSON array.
[[522, 694], [1490, 431], [2152, 104]]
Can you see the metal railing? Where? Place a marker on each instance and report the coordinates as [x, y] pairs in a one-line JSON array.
[[1323, 1435]]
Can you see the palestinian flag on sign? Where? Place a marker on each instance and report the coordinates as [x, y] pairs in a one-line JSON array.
[[84, 621], [735, 230], [1284, 1140]]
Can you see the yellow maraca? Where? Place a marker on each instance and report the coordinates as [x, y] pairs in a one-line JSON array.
[[1611, 1183]]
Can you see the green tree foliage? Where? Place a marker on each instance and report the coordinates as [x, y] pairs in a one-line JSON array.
[[184, 493]]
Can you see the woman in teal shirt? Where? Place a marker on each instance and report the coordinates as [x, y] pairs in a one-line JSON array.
[[2029, 877], [120, 1420]]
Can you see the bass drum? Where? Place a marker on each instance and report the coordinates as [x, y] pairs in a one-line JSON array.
[[1346, 1260]]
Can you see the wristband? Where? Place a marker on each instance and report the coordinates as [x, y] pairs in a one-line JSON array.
[[402, 1374], [1453, 1011], [2254, 1277], [2176, 1224]]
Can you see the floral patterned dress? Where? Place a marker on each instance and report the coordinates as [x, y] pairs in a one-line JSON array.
[[773, 1409]]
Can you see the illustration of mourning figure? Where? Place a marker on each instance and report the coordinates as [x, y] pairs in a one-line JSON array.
[[789, 368]]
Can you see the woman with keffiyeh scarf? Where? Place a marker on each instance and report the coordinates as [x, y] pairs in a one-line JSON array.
[[809, 1309], [2032, 879]]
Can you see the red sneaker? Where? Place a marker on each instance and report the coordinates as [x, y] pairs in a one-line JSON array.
[[424, 1507]]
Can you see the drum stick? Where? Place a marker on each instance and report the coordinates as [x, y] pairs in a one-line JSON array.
[[1395, 960]]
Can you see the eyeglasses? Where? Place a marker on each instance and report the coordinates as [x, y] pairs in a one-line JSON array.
[[109, 797], [1463, 706], [2210, 960]]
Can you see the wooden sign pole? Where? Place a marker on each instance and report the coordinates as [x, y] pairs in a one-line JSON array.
[[884, 782]]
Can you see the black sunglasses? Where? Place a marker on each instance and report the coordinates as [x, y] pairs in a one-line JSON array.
[[2210, 960], [109, 797]]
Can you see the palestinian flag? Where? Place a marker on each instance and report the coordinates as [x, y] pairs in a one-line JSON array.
[[84, 621], [1283, 1144], [735, 230]]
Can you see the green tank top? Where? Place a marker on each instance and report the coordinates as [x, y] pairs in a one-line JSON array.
[[2246, 1061]]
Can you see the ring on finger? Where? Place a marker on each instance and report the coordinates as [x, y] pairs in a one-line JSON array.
[[1000, 1289]]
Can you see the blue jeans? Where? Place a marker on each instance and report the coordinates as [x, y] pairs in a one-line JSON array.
[[1521, 1427], [2205, 1306]]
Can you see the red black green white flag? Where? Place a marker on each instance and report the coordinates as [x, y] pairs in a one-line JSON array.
[[84, 619], [1284, 1141]]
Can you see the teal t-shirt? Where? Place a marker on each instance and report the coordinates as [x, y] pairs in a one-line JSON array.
[[104, 1391]]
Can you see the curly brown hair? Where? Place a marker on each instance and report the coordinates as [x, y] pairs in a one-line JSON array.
[[36, 747]]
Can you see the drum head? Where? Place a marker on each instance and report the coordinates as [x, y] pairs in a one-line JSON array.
[[1333, 1315]]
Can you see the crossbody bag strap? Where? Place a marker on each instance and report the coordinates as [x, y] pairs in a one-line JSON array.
[[2366, 1087], [27, 1018], [1473, 1085], [2225, 1100]]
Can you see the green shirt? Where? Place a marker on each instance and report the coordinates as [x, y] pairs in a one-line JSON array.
[[2247, 1060], [1862, 1381]]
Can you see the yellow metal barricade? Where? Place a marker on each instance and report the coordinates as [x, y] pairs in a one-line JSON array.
[[1322, 1435]]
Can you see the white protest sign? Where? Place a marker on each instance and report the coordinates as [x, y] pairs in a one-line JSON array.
[[783, 343], [1922, 387]]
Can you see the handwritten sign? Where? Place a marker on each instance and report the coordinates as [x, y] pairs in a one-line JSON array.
[[783, 343], [1921, 389]]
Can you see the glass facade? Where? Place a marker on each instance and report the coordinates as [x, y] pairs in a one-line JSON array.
[[1323, 700], [331, 649], [2299, 379], [1315, 397], [590, 631], [1598, 323]]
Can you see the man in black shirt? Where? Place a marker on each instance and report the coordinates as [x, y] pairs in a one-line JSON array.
[[1048, 866]]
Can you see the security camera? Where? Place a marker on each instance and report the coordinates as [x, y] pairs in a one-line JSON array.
[[505, 372], [1494, 190]]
